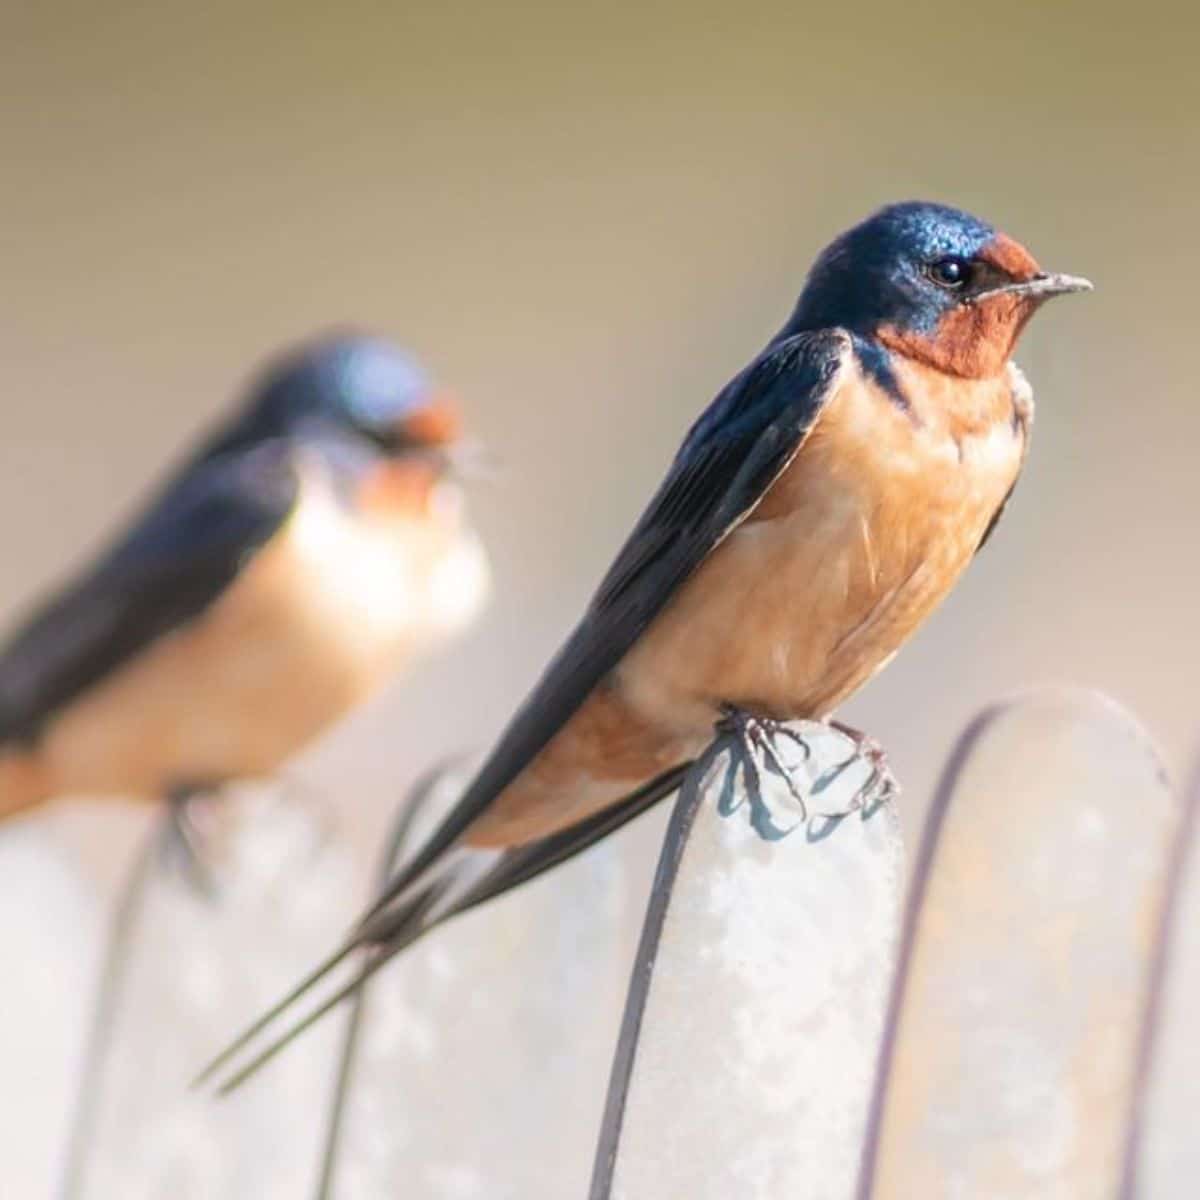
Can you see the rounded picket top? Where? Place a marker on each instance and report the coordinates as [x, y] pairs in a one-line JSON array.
[[750, 1036], [1165, 1151], [50, 933], [185, 965], [1012, 1056], [475, 1063]]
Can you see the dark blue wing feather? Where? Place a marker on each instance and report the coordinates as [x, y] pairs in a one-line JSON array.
[[728, 460], [177, 557]]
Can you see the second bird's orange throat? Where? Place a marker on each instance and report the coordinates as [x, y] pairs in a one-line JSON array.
[[399, 488], [975, 340], [436, 423], [404, 485]]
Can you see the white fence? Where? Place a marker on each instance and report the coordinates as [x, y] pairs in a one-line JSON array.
[[1020, 1029]]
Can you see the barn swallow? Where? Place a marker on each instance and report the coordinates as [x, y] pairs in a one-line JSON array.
[[815, 515], [314, 542]]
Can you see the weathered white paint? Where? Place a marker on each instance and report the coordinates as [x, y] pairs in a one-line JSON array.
[[1166, 1161], [50, 935], [750, 1040], [197, 966], [1041, 884], [482, 1055]]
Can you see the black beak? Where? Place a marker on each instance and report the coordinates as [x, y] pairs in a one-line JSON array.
[[1040, 287]]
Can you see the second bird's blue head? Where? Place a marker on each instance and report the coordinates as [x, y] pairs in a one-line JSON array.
[[357, 386], [932, 282]]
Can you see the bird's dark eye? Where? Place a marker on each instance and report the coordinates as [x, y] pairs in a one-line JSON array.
[[952, 273]]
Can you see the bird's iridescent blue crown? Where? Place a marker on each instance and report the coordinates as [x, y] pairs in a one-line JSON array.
[[364, 380], [879, 272]]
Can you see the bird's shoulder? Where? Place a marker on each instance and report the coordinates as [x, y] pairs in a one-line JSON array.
[[791, 377], [726, 463]]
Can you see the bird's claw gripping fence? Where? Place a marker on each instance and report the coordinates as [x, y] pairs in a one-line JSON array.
[[1021, 1027]]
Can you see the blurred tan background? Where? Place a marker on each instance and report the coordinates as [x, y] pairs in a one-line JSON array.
[[586, 223]]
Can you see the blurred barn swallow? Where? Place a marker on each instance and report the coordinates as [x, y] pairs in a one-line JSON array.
[[314, 543], [815, 515]]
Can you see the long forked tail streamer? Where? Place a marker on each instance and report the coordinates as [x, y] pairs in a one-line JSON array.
[[387, 931], [417, 798], [310, 981], [239, 1076]]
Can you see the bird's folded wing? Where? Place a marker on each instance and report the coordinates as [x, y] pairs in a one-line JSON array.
[[535, 858], [731, 456], [175, 560]]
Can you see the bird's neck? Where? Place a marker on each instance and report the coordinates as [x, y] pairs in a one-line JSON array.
[[931, 395], [877, 364], [954, 351], [940, 404]]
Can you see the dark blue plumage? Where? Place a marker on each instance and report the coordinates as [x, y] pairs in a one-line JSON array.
[[877, 273], [342, 384]]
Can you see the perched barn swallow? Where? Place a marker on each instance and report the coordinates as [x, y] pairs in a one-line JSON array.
[[815, 515], [313, 544]]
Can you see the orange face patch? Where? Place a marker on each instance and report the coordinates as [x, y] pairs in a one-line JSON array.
[[972, 340], [975, 340], [437, 423]]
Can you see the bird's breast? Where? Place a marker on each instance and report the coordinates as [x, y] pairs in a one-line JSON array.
[[846, 555], [378, 581]]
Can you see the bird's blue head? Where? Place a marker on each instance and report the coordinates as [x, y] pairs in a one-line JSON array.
[[931, 282], [358, 386]]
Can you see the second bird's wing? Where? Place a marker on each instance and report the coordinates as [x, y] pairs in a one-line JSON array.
[[175, 560]]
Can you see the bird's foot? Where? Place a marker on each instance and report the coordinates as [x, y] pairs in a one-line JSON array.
[[881, 784], [753, 744], [187, 840]]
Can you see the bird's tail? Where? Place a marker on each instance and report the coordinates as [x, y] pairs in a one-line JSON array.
[[459, 880], [24, 781], [379, 937]]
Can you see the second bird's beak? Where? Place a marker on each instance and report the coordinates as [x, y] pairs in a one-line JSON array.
[[434, 433], [469, 458], [1040, 287]]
